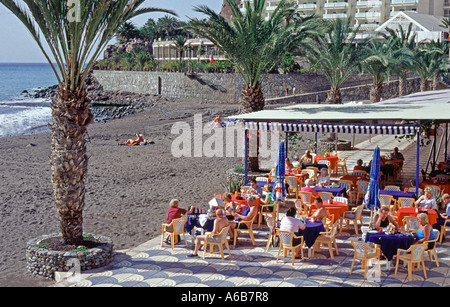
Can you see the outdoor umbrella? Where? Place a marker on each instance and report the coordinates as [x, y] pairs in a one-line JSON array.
[[371, 199], [278, 191]]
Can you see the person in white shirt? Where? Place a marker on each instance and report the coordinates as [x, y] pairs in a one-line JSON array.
[[292, 224], [324, 178], [427, 200]]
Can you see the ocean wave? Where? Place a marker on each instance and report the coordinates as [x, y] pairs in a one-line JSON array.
[[19, 120]]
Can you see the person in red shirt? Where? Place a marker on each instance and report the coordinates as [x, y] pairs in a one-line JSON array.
[[308, 187], [175, 212]]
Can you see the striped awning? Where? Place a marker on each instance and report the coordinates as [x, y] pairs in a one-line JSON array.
[[336, 128]]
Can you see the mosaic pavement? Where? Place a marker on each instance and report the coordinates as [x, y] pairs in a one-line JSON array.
[[151, 265]]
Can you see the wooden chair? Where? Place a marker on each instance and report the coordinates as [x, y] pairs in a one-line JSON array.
[[359, 173], [405, 202], [262, 179], [392, 188], [325, 162], [354, 215], [175, 228], [444, 228], [411, 223], [348, 184], [325, 195], [249, 229], [312, 173], [342, 164], [286, 243], [432, 251], [217, 240], [307, 199], [364, 253], [293, 185], [361, 189], [302, 210], [388, 200], [329, 238], [272, 232], [341, 199], [412, 256], [273, 213]]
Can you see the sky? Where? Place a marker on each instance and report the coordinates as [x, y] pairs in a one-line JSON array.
[[17, 45]]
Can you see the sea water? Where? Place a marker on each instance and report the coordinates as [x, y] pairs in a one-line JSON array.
[[20, 114]]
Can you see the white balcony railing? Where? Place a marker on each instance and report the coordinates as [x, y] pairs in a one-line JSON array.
[[336, 5], [306, 6], [334, 16], [404, 2], [368, 3]]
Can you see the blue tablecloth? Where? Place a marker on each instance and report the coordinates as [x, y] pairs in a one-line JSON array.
[[389, 244], [397, 194], [193, 221], [311, 232], [335, 191]]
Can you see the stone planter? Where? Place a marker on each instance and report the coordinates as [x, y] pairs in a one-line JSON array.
[[44, 262], [327, 145]]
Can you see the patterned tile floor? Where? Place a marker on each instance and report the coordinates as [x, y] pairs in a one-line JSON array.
[[150, 265]]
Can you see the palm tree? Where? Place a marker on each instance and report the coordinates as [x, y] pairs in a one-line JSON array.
[[381, 59], [252, 44], [405, 39], [429, 60], [127, 32], [180, 42], [335, 55], [75, 35]]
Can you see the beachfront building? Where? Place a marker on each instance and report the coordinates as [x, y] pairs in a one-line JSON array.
[[195, 49], [368, 14]]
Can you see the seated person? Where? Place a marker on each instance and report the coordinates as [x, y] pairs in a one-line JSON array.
[[307, 157], [230, 205], [268, 200], [292, 224], [427, 200], [396, 155], [425, 231], [308, 187], [321, 211], [384, 219], [254, 189], [137, 141], [175, 213], [247, 215], [219, 223], [324, 178], [359, 166], [288, 167]]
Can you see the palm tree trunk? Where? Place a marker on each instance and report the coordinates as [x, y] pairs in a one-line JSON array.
[[424, 85], [436, 79], [402, 84], [376, 91], [334, 96], [68, 160], [252, 98]]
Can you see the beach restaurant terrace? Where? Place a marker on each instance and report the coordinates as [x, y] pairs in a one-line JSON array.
[[398, 116]]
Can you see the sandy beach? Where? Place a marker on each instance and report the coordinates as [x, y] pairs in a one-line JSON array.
[[128, 187]]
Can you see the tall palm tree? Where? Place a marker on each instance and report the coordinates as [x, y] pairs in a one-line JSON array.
[[75, 35], [429, 60], [180, 46], [381, 59], [405, 39], [336, 56], [253, 44]]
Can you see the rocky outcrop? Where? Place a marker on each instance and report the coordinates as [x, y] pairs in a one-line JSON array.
[[226, 11]]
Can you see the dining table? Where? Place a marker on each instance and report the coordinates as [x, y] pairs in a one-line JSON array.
[[412, 211], [397, 194], [311, 232], [337, 208], [333, 160], [336, 191], [390, 243], [242, 200]]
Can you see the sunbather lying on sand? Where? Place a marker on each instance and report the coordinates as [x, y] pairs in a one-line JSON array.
[[132, 142]]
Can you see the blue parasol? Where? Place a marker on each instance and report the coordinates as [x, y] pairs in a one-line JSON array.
[[372, 199], [279, 191]]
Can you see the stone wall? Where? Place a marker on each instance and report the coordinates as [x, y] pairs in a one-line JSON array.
[[227, 87]]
